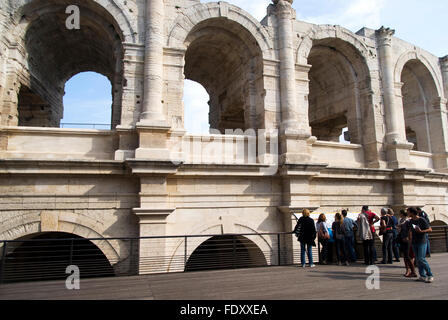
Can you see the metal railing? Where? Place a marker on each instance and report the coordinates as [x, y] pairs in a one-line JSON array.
[[47, 259]]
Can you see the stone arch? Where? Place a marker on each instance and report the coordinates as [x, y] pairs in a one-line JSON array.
[[31, 224], [98, 46], [442, 217], [226, 251], [261, 241], [113, 7], [196, 14], [438, 223], [340, 88], [414, 55], [224, 56], [330, 31], [420, 100]]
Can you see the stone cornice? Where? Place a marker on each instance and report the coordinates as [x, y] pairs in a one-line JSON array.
[[66, 167], [152, 167], [211, 169], [56, 131], [152, 216], [302, 169]]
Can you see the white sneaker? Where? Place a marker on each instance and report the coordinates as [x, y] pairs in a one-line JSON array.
[[303, 265], [429, 279], [421, 279], [312, 265]]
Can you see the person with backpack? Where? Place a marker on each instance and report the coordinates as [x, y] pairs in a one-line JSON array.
[[387, 233], [339, 237], [323, 237], [366, 232], [420, 227], [349, 226], [403, 229], [395, 243], [305, 231], [424, 215]]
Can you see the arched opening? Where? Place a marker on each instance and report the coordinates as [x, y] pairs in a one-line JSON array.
[[87, 102], [338, 78], [226, 60], [438, 237], [419, 93], [226, 252], [196, 108], [45, 256], [55, 54]]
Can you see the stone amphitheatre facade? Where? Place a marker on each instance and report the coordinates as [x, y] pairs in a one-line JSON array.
[[306, 81]]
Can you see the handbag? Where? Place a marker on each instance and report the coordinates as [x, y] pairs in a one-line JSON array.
[[322, 234]]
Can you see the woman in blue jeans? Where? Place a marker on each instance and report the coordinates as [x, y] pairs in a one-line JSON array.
[[306, 234], [420, 227], [339, 237]]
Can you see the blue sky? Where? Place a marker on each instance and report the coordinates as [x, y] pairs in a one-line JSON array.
[[423, 23]]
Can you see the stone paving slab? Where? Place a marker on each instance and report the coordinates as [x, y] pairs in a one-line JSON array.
[[271, 283]]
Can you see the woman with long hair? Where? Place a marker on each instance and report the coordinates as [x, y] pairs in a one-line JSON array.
[[323, 237], [339, 237]]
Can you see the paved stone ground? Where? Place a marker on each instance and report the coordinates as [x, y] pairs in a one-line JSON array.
[[285, 283]]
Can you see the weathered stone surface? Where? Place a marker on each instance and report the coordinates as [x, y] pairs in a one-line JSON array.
[[307, 81]]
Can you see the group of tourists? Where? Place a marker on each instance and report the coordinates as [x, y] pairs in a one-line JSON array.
[[408, 235]]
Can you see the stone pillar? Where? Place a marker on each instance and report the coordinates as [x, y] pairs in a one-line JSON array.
[[285, 17], [444, 67], [438, 133], [397, 146], [439, 130], [152, 109], [294, 138], [153, 211], [152, 251], [153, 127]]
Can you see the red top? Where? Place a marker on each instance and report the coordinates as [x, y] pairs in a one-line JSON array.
[[370, 217]]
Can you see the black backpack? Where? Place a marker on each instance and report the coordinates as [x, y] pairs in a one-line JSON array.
[[298, 229]]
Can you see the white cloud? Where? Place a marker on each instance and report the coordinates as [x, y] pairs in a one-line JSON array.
[[257, 8], [353, 14]]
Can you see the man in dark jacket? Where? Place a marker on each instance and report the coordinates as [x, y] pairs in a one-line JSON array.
[[305, 231]]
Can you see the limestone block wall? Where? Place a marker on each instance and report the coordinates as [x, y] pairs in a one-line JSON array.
[[307, 81], [88, 206]]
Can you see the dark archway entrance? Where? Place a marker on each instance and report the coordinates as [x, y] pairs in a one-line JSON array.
[[226, 252], [438, 237], [45, 256], [54, 54], [226, 60]]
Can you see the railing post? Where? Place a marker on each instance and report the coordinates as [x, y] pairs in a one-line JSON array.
[[185, 255], [2, 267], [278, 249]]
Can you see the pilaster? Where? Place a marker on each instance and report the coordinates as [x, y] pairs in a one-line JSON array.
[[152, 109], [396, 145]]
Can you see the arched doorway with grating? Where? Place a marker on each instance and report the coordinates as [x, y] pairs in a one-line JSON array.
[[46, 255], [226, 252]]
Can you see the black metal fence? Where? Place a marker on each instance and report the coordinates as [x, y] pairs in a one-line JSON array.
[[47, 258]]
